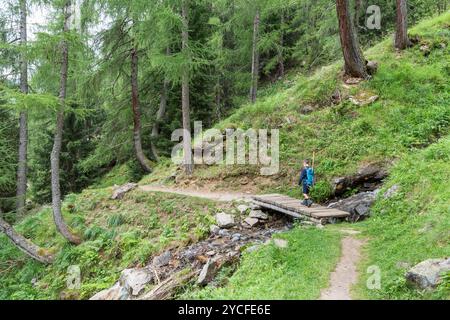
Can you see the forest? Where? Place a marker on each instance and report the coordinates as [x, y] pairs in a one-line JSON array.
[[92, 91]]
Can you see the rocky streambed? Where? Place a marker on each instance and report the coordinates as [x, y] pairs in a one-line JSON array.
[[199, 262]]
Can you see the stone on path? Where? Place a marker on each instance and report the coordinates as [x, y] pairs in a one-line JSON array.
[[243, 208], [214, 229]]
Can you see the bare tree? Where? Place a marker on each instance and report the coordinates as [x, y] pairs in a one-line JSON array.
[[255, 58], [185, 105], [143, 161], [401, 34], [61, 226], [355, 64], [23, 118]]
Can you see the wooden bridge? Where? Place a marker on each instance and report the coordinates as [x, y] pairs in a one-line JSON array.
[[293, 207]]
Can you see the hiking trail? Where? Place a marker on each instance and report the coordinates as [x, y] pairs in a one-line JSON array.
[[345, 274]]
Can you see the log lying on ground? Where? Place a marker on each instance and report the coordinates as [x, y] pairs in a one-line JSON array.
[[167, 288]]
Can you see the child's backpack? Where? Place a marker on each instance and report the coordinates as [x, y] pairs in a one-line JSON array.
[[310, 176]]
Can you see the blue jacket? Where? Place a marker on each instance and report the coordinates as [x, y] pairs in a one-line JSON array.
[[303, 176]]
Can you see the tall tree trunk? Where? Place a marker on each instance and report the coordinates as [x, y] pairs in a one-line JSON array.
[[143, 161], [23, 118], [280, 53], [61, 226], [357, 14], [160, 114], [185, 105], [355, 64], [255, 58], [24, 244], [401, 34]]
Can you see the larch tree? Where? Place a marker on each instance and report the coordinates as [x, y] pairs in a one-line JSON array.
[[255, 58], [401, 34], [355, 64], [143, 160], [61, 225], [185, 99], [23, 117]]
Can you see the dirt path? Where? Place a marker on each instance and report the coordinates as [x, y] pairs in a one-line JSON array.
[[218, 196], [345, 275]]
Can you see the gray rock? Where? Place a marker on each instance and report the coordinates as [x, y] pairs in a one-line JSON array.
[[208, 272], [214, 229], [211, 253], [392, 191], [258, 214], [306, 109], [224, 233], [116, 292], [224, 220], [357, 205], [254, 206], [135, 280], [428, 273], [280, 243], [251, 222], [162, 260], [372, 67], [243, 208], [119, 192]]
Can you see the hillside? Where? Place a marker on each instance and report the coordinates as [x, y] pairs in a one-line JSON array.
[[404, 131]]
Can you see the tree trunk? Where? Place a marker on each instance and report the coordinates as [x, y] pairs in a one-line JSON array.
[[187, 149], [56, 151], [355, 64], [401, 34], [32, 250], [357, 14], [143, 161], [255, 59], [23, 118], [160, 114]]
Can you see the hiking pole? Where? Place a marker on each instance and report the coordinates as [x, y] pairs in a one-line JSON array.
[[314, 158]]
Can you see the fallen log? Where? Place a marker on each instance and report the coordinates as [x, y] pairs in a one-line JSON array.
[[167, 288]]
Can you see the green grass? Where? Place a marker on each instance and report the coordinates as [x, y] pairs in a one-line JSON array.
[[412, 226], [297, 272], [117, 235]]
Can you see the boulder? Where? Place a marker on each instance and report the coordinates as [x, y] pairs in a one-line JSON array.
[[280, 243], [428, 273], [258, 214], [372, 67], [208, 272], [357, 205], [255, 206], [251, 222], [135, 280], [162, 260], [224, 220], [366, 176], [116, 292], [119, 192]]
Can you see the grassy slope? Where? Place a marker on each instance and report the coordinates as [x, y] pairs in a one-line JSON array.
[[412, 113], [118, 234]]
